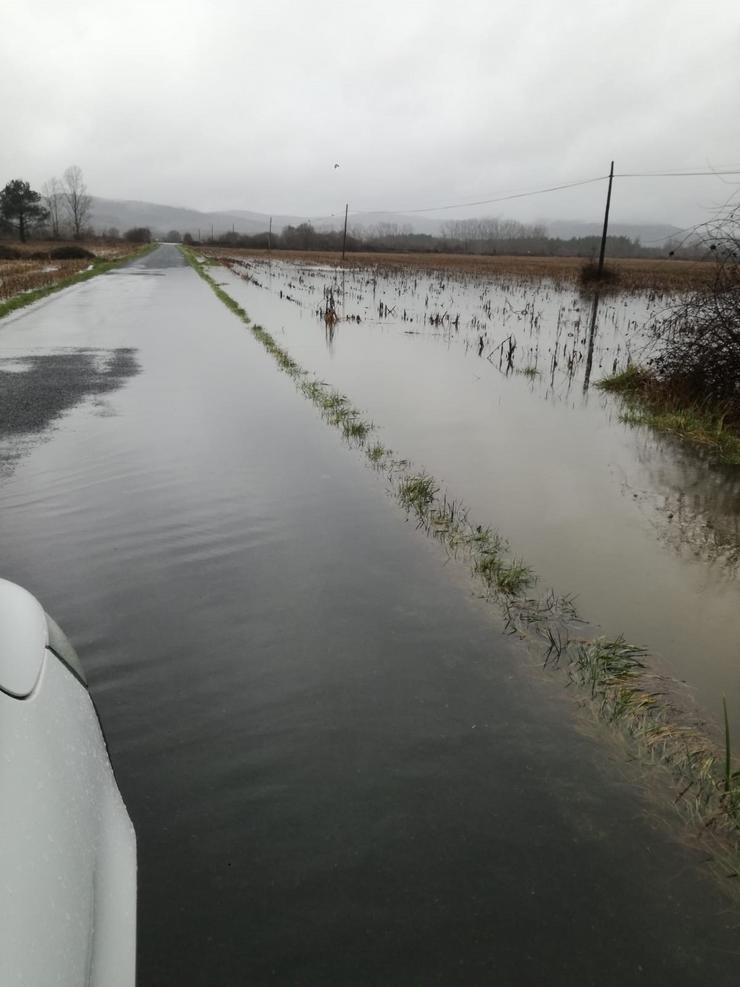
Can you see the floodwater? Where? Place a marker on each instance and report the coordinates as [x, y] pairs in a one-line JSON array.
[[486, 385], [339, 770]]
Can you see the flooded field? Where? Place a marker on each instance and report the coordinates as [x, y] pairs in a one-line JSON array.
[[488, 385]]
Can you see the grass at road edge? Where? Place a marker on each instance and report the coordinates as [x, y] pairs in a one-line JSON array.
[[648, 403], [97, 267], [614, 677]]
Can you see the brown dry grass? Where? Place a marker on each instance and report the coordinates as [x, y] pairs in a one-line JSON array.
[[26, 274], [635, 274]]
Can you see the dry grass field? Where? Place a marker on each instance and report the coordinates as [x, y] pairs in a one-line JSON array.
[[632, 274], [35, 265]]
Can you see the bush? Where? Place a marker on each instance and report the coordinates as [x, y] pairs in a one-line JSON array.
[[590, 277], [697, 343], [9, 253], [70, 251], [138, 234]]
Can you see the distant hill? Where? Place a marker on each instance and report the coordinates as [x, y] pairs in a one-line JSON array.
[[124, 214]]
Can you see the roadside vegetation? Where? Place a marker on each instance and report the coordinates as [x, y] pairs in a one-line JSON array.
[[650, 401], [614, 677], [690, 384], [32, 272]]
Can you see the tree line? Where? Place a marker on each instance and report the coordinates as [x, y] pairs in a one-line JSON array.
[[487, 236]]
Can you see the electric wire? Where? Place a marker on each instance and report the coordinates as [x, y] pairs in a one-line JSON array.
[[509, 196]]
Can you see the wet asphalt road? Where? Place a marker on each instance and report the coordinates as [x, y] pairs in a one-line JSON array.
[[339, 770]]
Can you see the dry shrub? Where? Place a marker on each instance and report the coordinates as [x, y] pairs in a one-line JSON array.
[[43, 263], [591, 277], [27, 275], [697, 344]]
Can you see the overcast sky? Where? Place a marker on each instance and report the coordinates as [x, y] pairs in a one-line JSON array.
[[247, 104]]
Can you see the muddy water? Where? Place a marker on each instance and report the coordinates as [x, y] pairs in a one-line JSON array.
[[338, 769], [643, 531]]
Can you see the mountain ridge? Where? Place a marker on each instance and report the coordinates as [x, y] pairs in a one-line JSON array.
[[124, 214]]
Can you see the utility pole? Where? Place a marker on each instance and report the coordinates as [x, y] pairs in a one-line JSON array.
[[344, 238], [269, 237], [606, 221]]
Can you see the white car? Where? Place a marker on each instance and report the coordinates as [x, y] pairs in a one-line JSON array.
[[67, 846]]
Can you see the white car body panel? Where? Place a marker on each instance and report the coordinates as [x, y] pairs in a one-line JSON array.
[[67, 846], [23, 637]]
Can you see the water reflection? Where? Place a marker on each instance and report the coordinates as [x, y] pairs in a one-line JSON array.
[[39, 388], [692, 502], [591, 337]]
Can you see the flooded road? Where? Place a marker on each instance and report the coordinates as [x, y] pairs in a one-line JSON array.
[[485, 384], [339, 770]]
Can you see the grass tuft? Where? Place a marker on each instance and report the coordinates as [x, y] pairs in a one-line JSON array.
[[417, 493], [632, 378], [376, 453], [602, 663]]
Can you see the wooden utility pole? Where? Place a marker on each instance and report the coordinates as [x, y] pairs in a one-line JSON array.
[[344, 238], [269, 237], [606, 221]]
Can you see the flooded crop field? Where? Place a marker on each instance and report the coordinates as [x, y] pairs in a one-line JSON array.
[[489, 386]]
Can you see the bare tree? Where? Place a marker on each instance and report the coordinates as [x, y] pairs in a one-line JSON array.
[[53, 193], [76, 200]]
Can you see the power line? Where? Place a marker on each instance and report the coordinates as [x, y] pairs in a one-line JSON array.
[[463, 205], [672, 174], [505, 198], [554, 188]]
